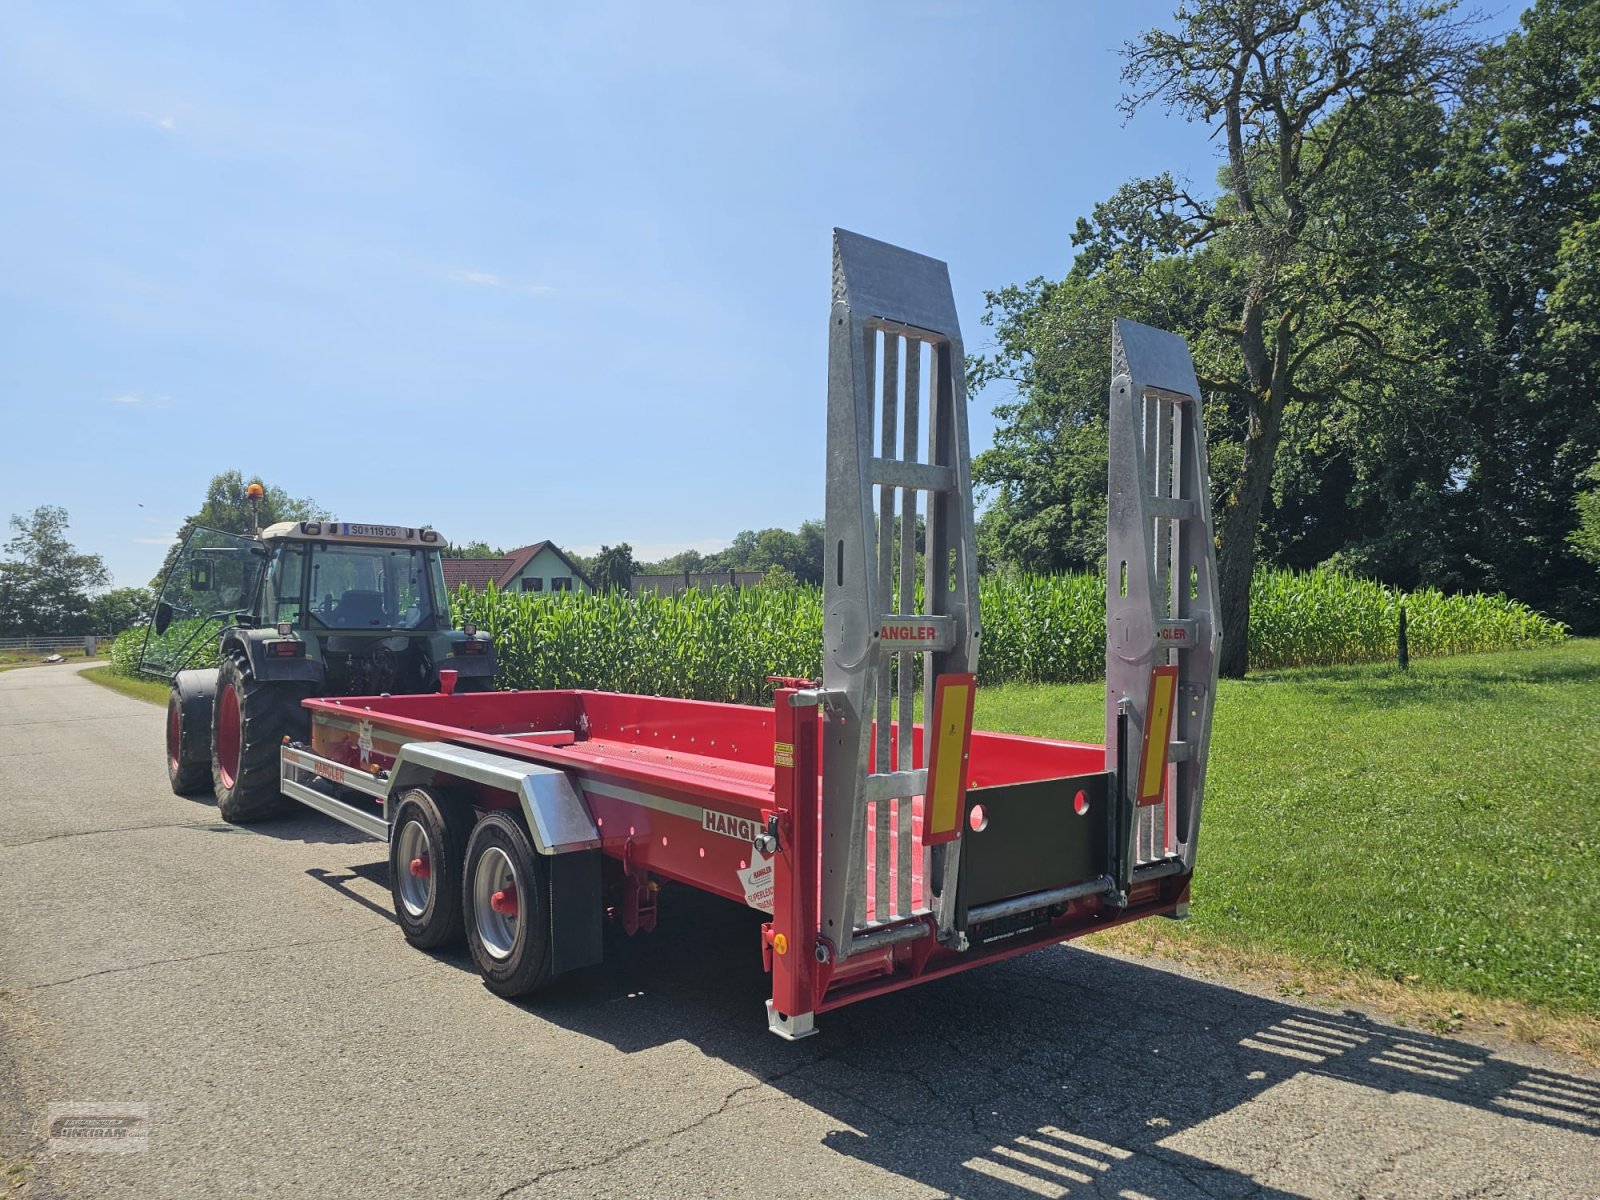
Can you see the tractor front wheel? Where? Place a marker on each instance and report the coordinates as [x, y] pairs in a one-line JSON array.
[[188, 763], [250, 721]]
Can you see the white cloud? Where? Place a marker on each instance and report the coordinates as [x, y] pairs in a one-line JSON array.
[[135, 400], [167, 124], [489, 279], [126, 398]]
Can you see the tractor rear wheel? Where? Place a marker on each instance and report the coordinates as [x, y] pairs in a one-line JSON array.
[[249, 722]]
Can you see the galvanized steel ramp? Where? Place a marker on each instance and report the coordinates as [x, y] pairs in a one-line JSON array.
[[1162, 628], [897, 456]]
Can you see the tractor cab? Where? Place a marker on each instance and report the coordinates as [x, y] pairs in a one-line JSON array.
[[350, 609]]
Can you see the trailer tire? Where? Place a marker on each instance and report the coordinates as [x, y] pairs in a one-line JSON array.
[[189, 732], [249, 722], [512, 952], [430, 914]]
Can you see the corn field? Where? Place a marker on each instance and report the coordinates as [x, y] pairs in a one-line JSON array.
[[720, 644], [201, 650], [1316, 618]]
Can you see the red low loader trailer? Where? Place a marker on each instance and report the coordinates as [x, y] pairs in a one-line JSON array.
[[884, 851]]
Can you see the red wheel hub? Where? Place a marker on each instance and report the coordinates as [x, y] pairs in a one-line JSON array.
[[504, 902], [420, 868], [229, 735]]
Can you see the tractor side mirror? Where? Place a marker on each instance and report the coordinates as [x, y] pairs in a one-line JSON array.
[[163, 617], [200, 575]]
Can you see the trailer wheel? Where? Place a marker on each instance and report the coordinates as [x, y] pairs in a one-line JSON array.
[[505, 891], [425, 856], [249, 721], [188, 764]]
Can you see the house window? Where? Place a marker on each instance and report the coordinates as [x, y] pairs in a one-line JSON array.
[[532, 585], [561, 584]]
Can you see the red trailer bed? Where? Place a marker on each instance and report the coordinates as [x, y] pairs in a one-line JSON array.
[[683, 790]]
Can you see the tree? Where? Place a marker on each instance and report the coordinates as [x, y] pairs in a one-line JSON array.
[[478, 549], [45, 588], [1300, 94], [1585, 538], [685, 560], [227, 507], [1523, 199], [612, 569], [120, 609], [1291, 282]]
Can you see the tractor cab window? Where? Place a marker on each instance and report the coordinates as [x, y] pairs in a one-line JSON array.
[[286, 584], [212, 582], [370, 587]]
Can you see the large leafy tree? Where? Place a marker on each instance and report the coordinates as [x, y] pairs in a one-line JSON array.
[[120, 609], [612, 569], [1523, 197], [1306, 99], [1291, 280], [45, 583], [227, 507]]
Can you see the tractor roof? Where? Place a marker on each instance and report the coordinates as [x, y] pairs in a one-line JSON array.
[[347, 531]]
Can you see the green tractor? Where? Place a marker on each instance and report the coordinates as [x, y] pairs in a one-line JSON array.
[[302, 609]]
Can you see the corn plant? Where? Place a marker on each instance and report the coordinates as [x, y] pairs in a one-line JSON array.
[[720, 644]]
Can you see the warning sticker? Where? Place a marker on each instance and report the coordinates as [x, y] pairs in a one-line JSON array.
[[364, 742], [756, 879], [783, 754]]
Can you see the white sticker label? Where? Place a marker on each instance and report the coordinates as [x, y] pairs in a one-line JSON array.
[[756, 879], [735, 827], [364, 741]]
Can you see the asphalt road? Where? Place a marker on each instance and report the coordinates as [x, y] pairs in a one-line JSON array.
[[250, 988]]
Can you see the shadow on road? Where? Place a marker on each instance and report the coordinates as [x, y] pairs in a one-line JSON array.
[[1033, 1076]]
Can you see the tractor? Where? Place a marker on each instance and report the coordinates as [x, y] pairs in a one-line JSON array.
[[299, 609]]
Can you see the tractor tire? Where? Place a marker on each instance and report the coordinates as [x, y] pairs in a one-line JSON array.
[[510, 944], [249, 722], [189, 731], [426, 853]]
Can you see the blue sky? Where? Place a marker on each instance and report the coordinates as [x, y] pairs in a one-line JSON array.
[[518, 271]]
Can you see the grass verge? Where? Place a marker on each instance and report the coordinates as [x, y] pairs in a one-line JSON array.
[[1381, 834], [140, 688]]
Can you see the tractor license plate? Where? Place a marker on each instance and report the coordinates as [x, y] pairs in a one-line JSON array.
[[383, 531]]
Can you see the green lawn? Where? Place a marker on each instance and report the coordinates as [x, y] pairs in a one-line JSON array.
[[141, 688], [1440, 825]]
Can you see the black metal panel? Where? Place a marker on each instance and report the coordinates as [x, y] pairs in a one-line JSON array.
[[576, 910], [1032, 838]]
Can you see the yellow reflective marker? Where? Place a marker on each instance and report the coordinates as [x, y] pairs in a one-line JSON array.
[[953, 697], [1158, 714]]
